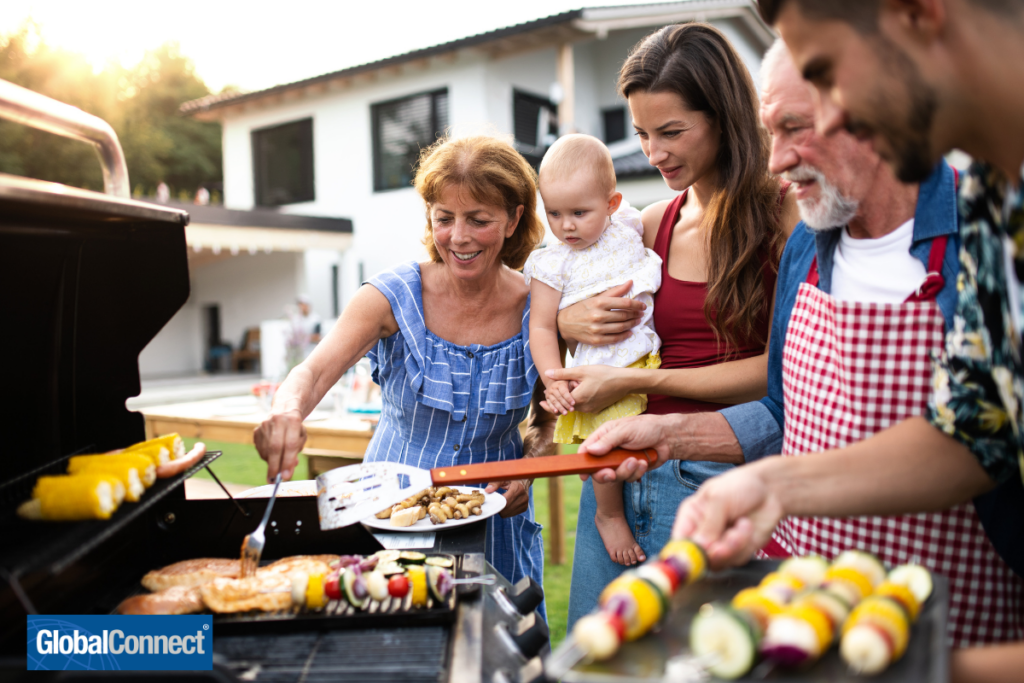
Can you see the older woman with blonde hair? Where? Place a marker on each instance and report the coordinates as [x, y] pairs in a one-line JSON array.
[[448, 340]]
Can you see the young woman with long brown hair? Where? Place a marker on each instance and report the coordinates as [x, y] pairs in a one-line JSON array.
[[695, 109]]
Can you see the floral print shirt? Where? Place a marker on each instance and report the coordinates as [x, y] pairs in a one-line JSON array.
[[979, 378]]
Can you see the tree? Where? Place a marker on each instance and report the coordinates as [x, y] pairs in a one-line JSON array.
[[140, 102]]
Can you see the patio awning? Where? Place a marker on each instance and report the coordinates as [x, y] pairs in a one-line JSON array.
[[246, 239], [215, 230]]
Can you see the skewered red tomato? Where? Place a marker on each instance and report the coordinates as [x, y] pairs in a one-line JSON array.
[[398, 586]]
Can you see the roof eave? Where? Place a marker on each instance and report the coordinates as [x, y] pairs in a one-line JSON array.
[[206, 108], [602, 20], [598, 21]]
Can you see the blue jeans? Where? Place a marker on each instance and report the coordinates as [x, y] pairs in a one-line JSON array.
[[650, 505]]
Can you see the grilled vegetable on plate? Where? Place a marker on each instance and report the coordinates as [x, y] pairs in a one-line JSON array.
[[359, 493]]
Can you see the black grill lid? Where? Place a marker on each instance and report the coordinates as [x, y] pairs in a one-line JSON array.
[[87, 280]]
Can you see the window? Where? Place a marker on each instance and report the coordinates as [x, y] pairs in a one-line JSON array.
[[614, 124], [401, 128], [283, 163], [534, 124]]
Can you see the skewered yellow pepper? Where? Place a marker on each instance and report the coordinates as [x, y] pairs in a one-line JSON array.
[[887, 616], [903, 595], [859, 585], [418, 581], [691, 552], [644, 604], [316, 597], [760, 605]]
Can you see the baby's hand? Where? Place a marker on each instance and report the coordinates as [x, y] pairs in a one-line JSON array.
[[559, 398]]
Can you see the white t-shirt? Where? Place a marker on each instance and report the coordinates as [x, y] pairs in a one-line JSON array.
[[879, 271]]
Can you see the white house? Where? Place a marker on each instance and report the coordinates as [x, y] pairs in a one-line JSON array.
[[246, 267], [342, 144]]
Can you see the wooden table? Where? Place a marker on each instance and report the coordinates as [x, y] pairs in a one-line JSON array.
[[232, 420], [331, 442]]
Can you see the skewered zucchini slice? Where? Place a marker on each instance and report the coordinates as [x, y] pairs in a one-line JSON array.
[[385, 556], [916, 578], [348, 585], [724, 637], [411, 557], [440, 561]]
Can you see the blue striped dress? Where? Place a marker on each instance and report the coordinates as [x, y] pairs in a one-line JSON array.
[[447, 405]]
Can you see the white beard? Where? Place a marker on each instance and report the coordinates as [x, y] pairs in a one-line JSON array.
[[830, 210]]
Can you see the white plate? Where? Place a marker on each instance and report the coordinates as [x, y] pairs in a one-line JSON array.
[[288, 489], [493, 504]]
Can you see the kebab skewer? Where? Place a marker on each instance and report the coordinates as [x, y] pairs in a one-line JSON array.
[[728, 638], [630, 606], [878, 631]]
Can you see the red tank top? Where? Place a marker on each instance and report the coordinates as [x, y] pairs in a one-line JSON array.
[[687, 341]]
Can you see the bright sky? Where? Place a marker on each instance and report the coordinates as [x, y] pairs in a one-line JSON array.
[[257, 44]]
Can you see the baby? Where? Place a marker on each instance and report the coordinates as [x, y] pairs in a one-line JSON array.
[[600, 246]]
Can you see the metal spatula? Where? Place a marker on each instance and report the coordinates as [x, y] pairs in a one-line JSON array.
[[351, 494]]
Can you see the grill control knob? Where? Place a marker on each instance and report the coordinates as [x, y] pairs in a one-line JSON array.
[[528, 595], [532, 639]]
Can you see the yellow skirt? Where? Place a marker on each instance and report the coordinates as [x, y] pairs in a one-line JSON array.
[[574, 427]]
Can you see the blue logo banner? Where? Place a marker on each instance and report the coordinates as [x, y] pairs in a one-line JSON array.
[[120, 643]]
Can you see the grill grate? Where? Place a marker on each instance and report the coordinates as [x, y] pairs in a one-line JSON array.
[[52, 547], [340, 614], [398, 655], [18, 489]]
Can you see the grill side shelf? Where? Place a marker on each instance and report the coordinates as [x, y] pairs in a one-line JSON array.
[[52, 547]]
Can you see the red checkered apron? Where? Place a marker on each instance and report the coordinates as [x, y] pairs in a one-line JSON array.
[[850, 370]]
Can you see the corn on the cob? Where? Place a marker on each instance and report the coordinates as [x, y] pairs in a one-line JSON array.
[[162, 449], [126, 473], [73, 497], [144, 464], [135, 471]]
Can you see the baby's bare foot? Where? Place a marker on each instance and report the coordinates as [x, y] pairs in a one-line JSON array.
[[618, 539]]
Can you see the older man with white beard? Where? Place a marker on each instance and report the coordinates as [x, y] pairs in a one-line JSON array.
[[866, 290]]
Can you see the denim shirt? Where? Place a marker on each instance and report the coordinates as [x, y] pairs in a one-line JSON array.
[[758, 425]]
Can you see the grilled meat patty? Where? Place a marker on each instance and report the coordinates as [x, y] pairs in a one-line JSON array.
[[175, 600], [267, 592], [191, 573]]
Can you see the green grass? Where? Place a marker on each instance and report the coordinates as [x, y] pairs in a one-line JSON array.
[[240, 464], [557, 577]]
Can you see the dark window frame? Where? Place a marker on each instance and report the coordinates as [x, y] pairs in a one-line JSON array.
[[624, 124], [437, 126], [531, 147], [305, 191]]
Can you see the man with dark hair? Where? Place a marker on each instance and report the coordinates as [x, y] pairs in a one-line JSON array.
[[849, 309], [921, 78], [917, 78]]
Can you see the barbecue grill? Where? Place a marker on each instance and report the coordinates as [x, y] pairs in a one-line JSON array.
[[89, 279]]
